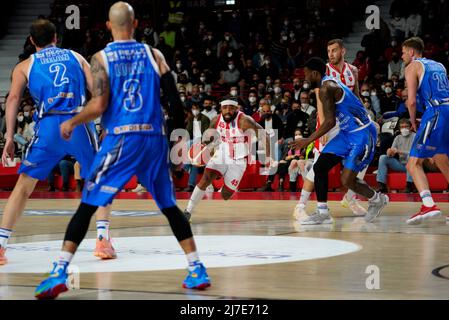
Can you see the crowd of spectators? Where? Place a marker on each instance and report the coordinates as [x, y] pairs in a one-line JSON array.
[[256, 55]]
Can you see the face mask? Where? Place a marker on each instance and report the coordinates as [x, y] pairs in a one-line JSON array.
[[202, 79], [250, 14], [183, 29], [277, 90], [298, 136], [292, 35], [166, 117], [231, 67], [227, 38], [388, 90], [268, 81], [297, 86], [284, 38], [209, 38], [20, 118], [304, 105], [208, 53], [405, 132], [201, 26], [219, 15], [286, 23], [178, 65], [234, 16], [365, 93], [382, 87], [373, 93], [306, 86], [229, 54], [252, 99], [393, 43], [195, 112], [233, 93], [183, 99], [26, 114]]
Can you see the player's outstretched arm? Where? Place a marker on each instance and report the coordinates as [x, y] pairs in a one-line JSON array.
[[98, 104], [168, 85], [19, 82]]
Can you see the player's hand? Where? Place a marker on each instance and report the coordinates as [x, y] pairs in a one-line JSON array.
[[300, 143], [324, 139], [66, 129], [414, 125], [8, 151]]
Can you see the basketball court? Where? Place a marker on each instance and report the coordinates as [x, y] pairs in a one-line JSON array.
[[252, 246]]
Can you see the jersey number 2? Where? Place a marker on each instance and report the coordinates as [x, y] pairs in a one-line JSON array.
[[60, 71]]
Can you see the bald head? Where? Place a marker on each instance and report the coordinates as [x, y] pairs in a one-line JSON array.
[[121, 16]]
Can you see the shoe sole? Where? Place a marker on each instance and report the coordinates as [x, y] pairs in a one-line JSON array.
[[53, 292], [198, 287], [379, 211], [418, 219]]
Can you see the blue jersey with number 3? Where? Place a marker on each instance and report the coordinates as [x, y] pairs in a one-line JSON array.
[[56, 81], [433, 87], [134, 102]]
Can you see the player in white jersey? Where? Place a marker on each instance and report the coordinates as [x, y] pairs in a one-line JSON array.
[[347, 74], [234, 131]]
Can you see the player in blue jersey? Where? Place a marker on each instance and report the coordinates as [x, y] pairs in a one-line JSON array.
[[57, 80], [426, 80], [127, 78], [354, 144]]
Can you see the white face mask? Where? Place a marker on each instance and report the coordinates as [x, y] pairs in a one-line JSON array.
[[183, 99], [405, 132], [208, 53], [231, 66], [20, 118], [26, 114], [183, 29], [277, 90], [252, 99], [229, 54], [227, 38], [202, 79], [304, 105], [233, 93], [166, 117], [195, 112], [298, 136], [365, 93], [178, 65], [373, 93], [284, 38], [306, 86], [268, 81], [388, 90]]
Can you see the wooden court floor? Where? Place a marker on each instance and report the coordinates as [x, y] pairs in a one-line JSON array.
[[407, 257]]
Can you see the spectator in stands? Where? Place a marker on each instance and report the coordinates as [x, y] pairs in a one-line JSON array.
[[397, 157], [398, 26], [251, 105], [209, 109], [306, 107], [65, 168], [231, 76], [396, 66], [196, 125], [413, 25], [273, 126], [389, 101], [296, 119]]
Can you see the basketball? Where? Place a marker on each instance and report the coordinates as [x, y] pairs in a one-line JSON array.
[[199, 155]]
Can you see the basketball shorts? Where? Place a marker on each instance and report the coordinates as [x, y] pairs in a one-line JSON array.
[[123, 156], [433, 133], [356, 148], [231, 170], [47, 147]]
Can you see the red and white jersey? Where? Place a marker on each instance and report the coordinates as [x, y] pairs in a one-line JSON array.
[[234, 142], [346, 76]]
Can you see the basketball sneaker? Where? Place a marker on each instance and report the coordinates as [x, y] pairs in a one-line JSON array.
[[300, 212], [104, 249], [55, 284], [317, 218], [424, 213], [188, 215], [375, 207], [140, 188], [354, 205], [3, 259], [197, 278]]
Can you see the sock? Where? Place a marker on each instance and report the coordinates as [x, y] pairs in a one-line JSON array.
[[350, 195], [103, 229], [305, 195], [64, 259], [375, 198], [196, 197], [323, 208], [4, 237], [193, 259], [427, 199]]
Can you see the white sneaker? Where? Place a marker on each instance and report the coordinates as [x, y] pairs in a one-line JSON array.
[[318, 218], [139, 188], [354, 205], [300, 212]]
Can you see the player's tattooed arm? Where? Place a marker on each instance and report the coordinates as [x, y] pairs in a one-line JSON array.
[[248, 123], [100, 85]]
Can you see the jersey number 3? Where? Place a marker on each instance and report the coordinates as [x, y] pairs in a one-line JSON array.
[[133, 101], [60, 70]]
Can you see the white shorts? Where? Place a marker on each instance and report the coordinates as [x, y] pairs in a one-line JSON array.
[[231, 170]]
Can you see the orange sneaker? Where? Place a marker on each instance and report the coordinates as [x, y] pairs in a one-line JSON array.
[[104, 249], [3, 259]]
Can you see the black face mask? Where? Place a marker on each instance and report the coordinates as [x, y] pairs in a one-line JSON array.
[[208, 108], [297, 87]]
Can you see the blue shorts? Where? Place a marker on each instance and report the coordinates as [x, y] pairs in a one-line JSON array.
[[433, 133], [47, 147], [123, 156], [356, 148]]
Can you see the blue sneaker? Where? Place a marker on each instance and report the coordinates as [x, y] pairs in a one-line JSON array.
[[55, 284], [197, 279]]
